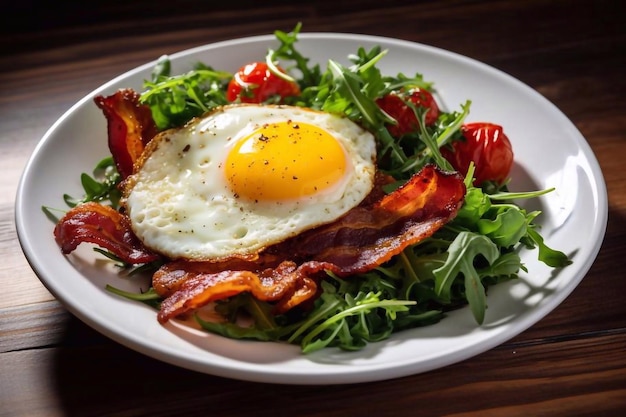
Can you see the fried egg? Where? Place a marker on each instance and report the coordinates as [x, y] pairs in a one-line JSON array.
[[244, 177]]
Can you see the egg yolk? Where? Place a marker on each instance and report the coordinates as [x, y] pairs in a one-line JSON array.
[[285, 160]]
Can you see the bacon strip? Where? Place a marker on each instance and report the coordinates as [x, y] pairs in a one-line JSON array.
[[104, 226], [369, 236], [358, 242], [130, 127], [284, 283], [171, 276]]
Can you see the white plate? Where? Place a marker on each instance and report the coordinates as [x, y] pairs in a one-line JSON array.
[[550, 152]]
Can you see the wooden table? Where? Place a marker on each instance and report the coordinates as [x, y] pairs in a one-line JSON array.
[[572, 363]]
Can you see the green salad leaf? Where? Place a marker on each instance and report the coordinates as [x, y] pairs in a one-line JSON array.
[[174, 100]]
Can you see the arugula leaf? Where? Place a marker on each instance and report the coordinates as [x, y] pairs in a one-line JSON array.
[[352, 307], [506, 228], [348, 96], [461, 256], [476, 204], [263, 326], [174, 100], [49, 212], [150, 297], [349, 86], [101, 187], [286, 50], [547, 255], [234, 331], [507, 266]]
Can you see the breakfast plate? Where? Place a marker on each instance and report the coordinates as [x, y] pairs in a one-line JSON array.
[[549, 152]]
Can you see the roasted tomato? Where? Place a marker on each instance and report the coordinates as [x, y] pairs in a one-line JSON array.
[[489, 148], [395, 105], [255, 83]]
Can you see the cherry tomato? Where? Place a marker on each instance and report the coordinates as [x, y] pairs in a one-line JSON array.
[[255, 83], [394, 104], [489, 148]]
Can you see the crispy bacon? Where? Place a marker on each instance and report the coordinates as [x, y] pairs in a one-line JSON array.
[[104, 226], [130, 127], [283, 283], [358, 242], [369, 236], [170, 277]]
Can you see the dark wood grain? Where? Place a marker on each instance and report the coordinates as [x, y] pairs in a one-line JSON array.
[[571, 363]]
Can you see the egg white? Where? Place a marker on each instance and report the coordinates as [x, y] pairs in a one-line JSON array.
[[180, 203]]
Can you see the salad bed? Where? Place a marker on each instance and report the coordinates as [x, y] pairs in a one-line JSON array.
[[453, 268]]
